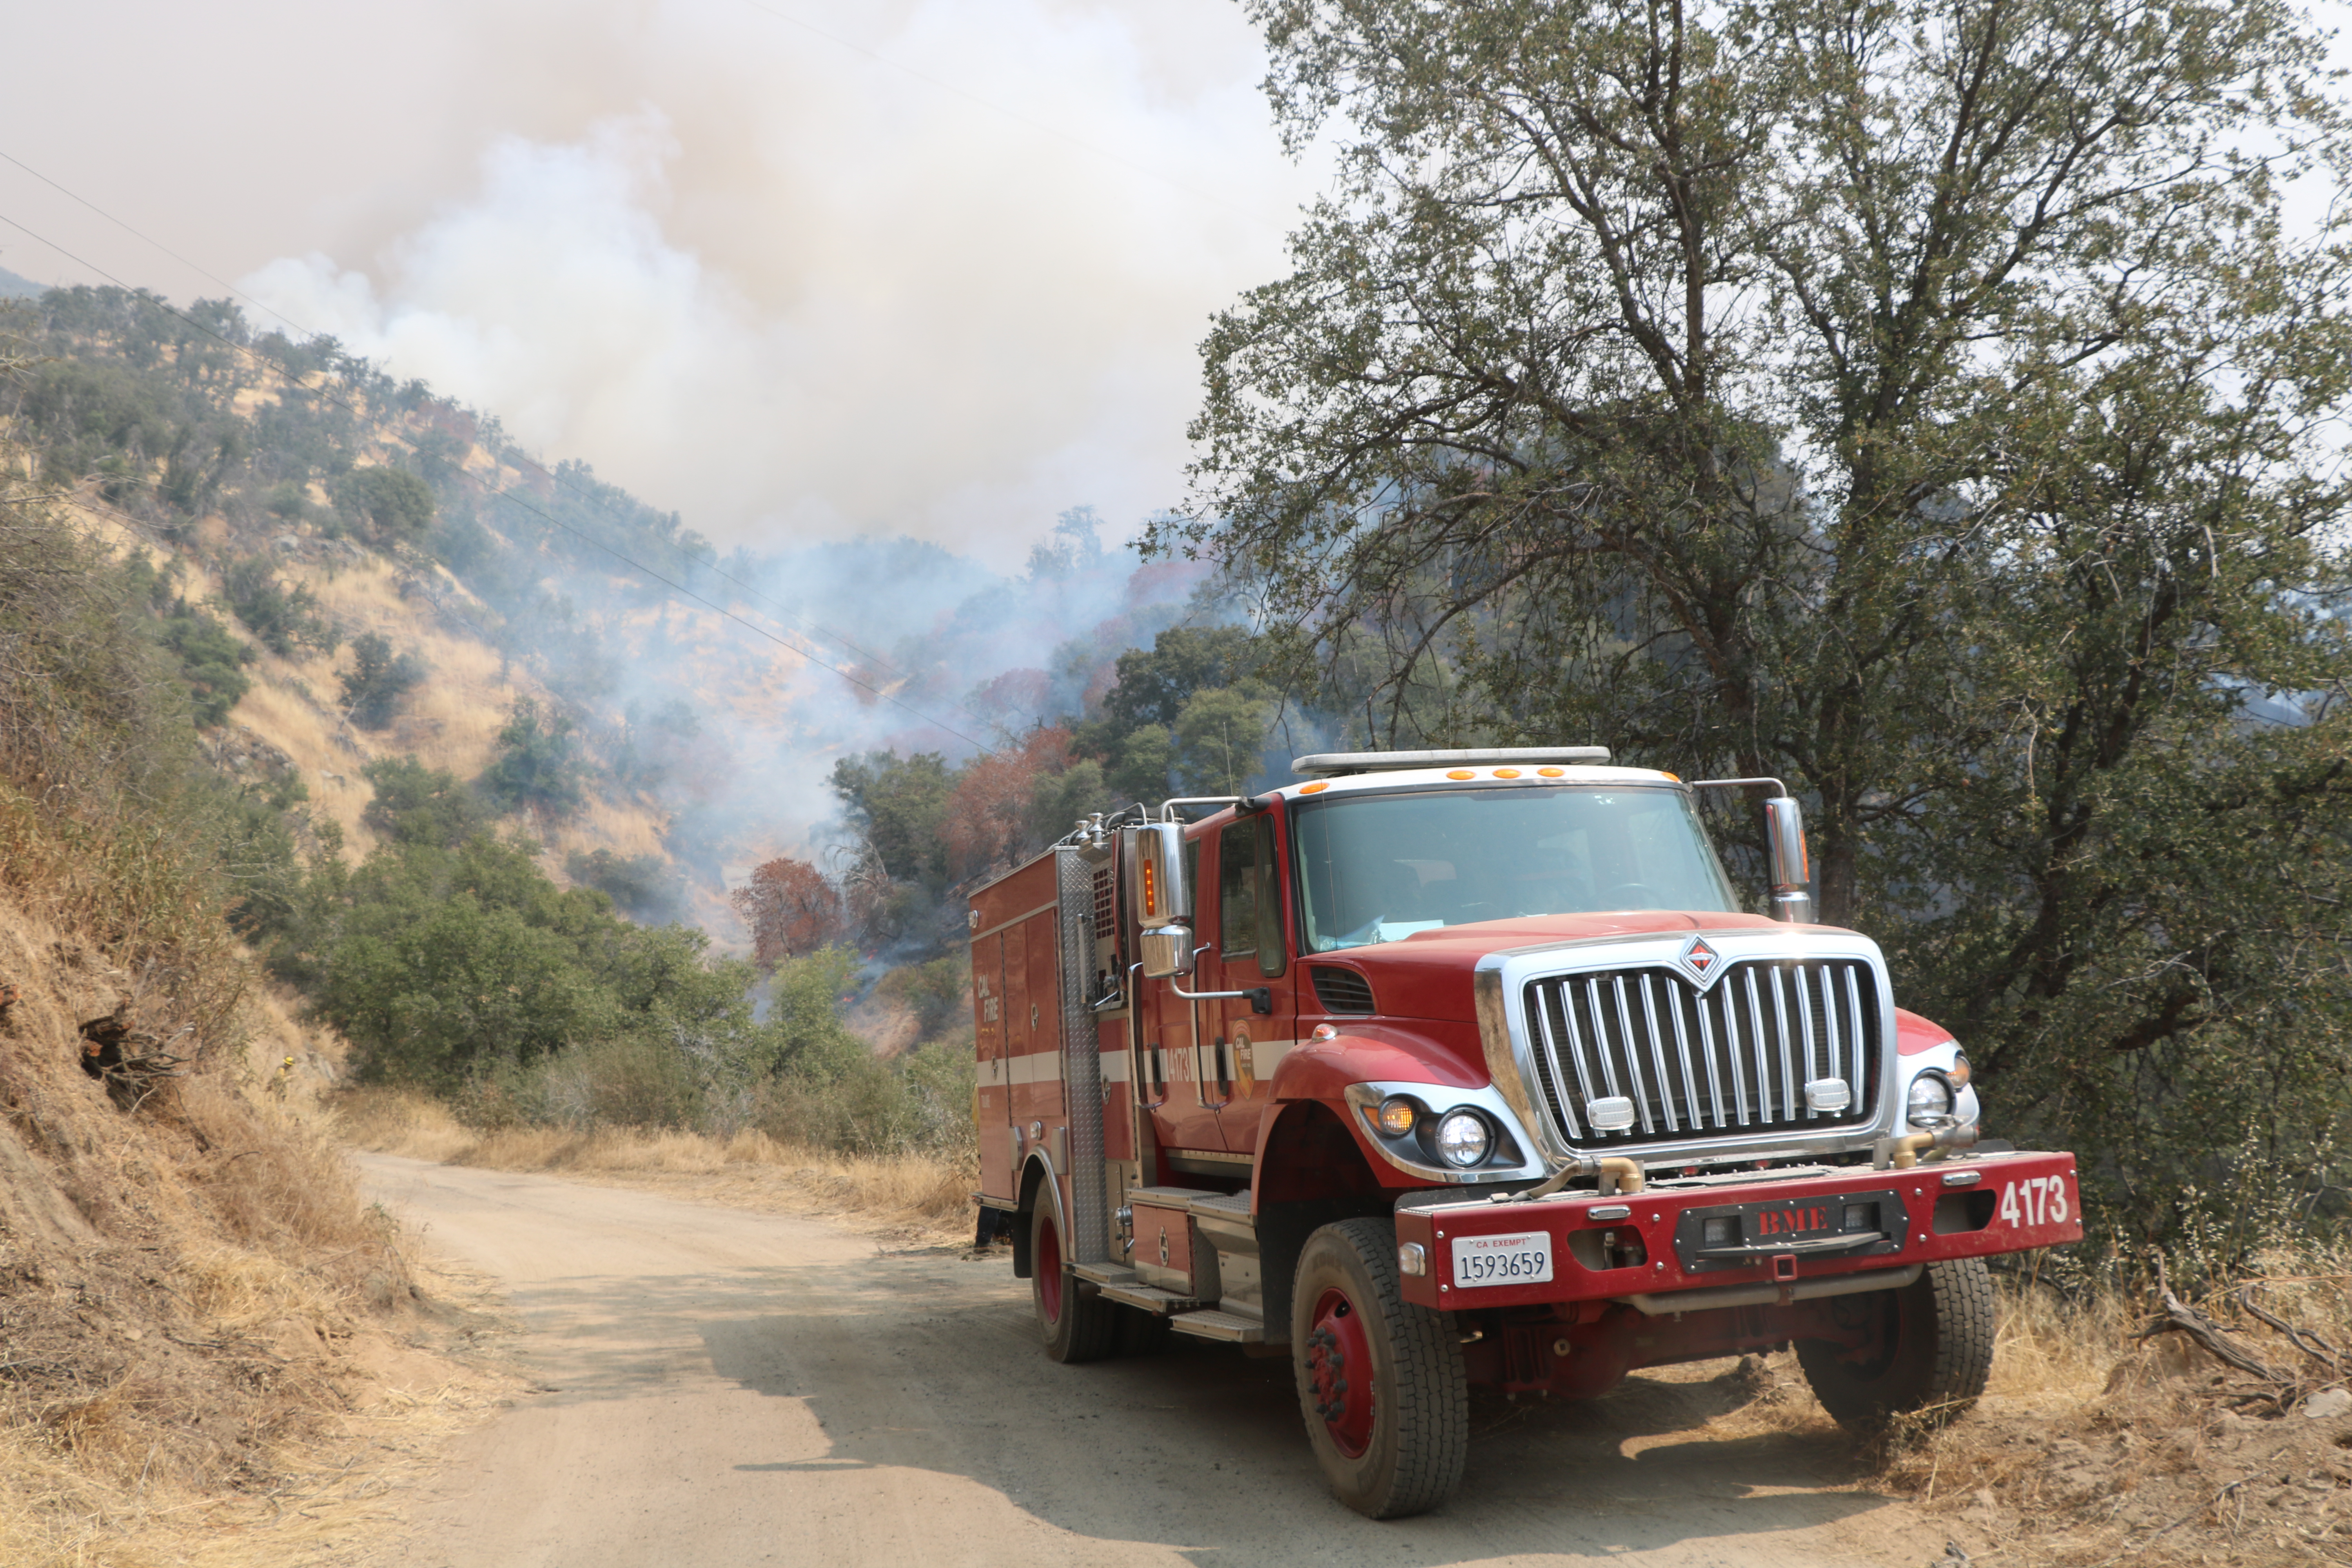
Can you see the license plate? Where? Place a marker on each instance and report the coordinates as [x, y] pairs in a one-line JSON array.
[[1502, 1260]]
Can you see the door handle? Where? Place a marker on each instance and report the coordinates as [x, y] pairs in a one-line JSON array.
[[1260, 998]]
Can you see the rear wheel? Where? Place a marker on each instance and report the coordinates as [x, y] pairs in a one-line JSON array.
[[1926, 1347], [1381, 1381], [1078, 1324]]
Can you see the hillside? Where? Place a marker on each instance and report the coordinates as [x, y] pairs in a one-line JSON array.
[[198, 1311], [709, 698]]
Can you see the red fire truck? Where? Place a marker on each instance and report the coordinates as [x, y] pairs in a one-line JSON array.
[[1446, 1069]]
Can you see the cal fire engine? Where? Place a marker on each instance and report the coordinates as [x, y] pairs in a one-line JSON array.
[[1456, 1068]]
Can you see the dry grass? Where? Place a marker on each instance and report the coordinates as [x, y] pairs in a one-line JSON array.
[[78, 1492], [204, 1326], [906, 1192], [451, 721], [2092, 1447]]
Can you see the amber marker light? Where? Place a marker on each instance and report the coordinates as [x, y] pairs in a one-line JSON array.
[[1507, 773], [1315, 788], [1674, 778], [1460, 773], [1553, 773]]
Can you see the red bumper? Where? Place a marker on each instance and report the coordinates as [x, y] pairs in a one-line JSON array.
[[1770, 1230]]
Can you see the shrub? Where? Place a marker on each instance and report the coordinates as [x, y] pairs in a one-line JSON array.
[[538, 764], [212, 661], [938, 991], [416, 804], [391, 504], [377, 681], [291, 500], [284, 616]]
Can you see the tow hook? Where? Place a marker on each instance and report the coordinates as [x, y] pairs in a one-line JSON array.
[[1903, 1153]]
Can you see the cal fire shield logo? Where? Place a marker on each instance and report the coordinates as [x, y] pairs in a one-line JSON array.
[[1700, 960]]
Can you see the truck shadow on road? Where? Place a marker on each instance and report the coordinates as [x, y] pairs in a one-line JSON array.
[[934, 1363]]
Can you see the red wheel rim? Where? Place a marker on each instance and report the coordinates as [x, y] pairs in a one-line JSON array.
[[1047, 1267], [1339, 1374]]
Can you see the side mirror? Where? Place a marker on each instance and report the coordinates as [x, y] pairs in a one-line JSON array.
[[1167, 952], [1158, 898], [1791, 867]]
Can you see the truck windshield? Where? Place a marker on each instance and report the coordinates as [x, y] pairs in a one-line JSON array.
[[1376, 867]]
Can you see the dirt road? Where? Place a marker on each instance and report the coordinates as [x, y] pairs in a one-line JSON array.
[[731, 1388]]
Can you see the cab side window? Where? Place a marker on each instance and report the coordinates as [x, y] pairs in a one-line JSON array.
[[1249, 905]]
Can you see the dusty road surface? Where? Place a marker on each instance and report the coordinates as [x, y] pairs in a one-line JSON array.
[[725, 1388]]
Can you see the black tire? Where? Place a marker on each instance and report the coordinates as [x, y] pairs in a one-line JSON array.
[[1142, 1333], [1077, 1324], [1396, 1446], [1933, 1354]]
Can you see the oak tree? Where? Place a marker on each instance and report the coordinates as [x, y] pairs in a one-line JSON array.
[[1933, 403]]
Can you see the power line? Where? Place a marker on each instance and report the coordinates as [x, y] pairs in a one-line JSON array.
[[156, 243], [551, 520]]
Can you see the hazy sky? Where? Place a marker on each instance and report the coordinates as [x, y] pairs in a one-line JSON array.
[[745, 269]]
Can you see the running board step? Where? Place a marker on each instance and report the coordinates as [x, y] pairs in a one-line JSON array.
[[1151, 1298], [1104, 1273], [1230, 1326]]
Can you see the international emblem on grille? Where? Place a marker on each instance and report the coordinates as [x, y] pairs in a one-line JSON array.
[[1701, 960]]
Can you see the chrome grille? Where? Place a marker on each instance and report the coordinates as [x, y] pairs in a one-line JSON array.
[[1731, 1059]]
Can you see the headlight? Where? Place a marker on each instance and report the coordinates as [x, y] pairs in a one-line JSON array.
[[1930, 1099], [1463, 1138]]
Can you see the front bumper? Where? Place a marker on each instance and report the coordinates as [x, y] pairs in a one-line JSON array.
[[1972, 1206]]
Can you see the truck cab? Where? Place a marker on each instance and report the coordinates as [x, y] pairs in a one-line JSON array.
[[1444, 1069]]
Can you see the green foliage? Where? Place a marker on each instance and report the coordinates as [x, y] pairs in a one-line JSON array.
[[1155, 684], [378, 680], [291, 500], [284, 616], [1187, 716], [438, 963], [466, 971], [1061, 799], [253, 828], [97, 417], [212, 661], [115, 829], [900, 805], [391, 504], [1218, 738], [1143, 765], [1927, 405], [414, 804], [539, 765], [827, 1089], [939, 990]]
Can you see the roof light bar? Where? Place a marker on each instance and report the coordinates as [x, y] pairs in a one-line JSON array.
[[1330, 764]]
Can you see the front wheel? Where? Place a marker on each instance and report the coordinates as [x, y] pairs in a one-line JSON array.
[[1926, 1347], [1078, 1324], [1381, 1381]]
